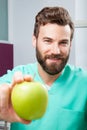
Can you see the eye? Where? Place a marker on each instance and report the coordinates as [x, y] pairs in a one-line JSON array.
[[64, 43], [47, 41]]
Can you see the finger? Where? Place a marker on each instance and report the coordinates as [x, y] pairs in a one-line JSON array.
[[17, 78], [4, 98], [23, 121], [28, 78], [16, 118]]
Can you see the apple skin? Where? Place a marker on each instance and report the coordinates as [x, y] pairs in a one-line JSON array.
[[29, 100]]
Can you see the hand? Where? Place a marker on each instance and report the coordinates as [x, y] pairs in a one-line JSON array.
[[7, 112]]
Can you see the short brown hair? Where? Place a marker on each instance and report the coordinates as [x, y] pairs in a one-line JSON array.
[[58, 15]]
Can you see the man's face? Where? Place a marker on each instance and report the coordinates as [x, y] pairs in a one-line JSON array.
[[53, 47]]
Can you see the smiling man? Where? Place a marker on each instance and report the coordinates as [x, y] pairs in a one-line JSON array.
[[53, 47], [67, 84]]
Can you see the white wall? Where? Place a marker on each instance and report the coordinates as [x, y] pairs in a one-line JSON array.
[[21, 19], [81, 33]]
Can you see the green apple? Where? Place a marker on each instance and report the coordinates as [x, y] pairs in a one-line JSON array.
[[29, 100]]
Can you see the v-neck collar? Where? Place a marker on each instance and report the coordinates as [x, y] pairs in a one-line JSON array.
[[55, 84]]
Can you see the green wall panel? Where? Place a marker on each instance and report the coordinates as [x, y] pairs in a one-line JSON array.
[[3, 19]]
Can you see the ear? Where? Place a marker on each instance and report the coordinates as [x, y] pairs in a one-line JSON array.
[[34, 41]]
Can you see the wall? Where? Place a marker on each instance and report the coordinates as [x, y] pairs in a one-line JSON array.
[[3, 20], [81, 33], [21, 21]]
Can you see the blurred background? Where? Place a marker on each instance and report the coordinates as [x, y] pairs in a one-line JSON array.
[[17, 21]]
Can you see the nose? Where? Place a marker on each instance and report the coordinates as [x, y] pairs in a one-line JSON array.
[[55, 49]]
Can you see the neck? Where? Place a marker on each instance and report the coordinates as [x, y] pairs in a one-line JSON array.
[[47, 78]]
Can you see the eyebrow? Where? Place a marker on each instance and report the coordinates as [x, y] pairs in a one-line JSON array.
[[65, 40], [47, 38]]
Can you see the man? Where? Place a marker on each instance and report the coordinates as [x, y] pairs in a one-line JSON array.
[[67, 85]]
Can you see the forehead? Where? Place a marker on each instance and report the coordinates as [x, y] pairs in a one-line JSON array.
[[54, 30]]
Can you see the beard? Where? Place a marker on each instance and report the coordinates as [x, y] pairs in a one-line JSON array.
[[54, 67]]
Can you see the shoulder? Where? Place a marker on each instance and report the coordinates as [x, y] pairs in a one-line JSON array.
[[25, 69], [77, 77], [76, 71], [76, 74]]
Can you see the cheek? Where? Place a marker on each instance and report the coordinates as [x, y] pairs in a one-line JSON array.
[[65, 51], [43, 49]]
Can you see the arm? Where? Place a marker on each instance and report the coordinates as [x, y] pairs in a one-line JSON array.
[[6, 111]]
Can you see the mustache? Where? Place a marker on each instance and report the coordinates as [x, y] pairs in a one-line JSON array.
[[52, 56]]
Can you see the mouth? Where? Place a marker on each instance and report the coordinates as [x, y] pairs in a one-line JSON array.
[[54, 60]]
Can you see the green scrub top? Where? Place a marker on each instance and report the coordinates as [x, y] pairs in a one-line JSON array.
[[67, 103]]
